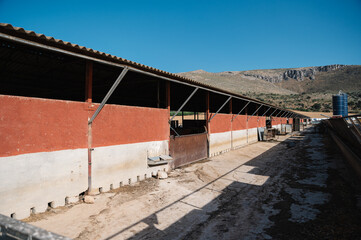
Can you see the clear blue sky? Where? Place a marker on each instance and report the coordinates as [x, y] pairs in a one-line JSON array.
[[216, 36]]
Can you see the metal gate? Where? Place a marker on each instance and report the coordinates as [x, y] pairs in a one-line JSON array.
[[296, 124], [188, 148]]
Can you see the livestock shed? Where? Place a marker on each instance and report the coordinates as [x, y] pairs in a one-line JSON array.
[[75, 120]]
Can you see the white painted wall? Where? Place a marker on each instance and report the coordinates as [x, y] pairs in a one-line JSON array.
[[252, 135], [35, 179], [219, 143], [278, 126], [117, 164], [239, 138]]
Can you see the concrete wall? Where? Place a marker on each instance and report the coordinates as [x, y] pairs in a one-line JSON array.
[[44, 148], [226, 135], [220, 134], [124, 137], [44, 154], [33, 180], [127, 163]]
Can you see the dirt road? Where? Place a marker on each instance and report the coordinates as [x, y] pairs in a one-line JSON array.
[[295, 188]]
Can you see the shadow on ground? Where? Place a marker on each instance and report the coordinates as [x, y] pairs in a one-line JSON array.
[[248, 211]]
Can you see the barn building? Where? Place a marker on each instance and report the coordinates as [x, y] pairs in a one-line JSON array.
[[74, 119]]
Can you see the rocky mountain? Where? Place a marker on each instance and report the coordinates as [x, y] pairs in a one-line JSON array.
[[305, 89], [286, 80], [298, 74]]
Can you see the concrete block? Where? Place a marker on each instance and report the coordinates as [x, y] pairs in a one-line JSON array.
[[162, 175], [73, 199], [20, 214], [89, 199]]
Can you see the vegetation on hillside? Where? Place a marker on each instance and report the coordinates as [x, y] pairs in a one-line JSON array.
[[310, 102]]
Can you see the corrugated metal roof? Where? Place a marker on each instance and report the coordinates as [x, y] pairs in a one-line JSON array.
[[8, 29]]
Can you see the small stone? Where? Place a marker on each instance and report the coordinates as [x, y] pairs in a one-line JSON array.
[[89, 199], [162, 175], [70, 200]]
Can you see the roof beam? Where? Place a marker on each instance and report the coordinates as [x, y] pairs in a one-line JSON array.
[[80, 55]]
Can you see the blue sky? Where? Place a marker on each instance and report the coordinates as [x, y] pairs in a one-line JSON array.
[[178, 36]]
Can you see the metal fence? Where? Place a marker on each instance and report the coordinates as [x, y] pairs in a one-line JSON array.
[[346, 132], [348, 129], [13, 229]]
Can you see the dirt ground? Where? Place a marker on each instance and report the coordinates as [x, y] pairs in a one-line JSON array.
[[297, 187]]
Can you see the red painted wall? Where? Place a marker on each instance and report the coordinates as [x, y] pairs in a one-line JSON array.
[[275, 121], [30, 125], [239, 123], [283, 120], [252, 122], [220, 123], [118, 124], [262, 122]]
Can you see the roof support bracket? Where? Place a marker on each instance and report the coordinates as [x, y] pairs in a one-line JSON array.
[[273, 112], [278, 113], [220, 108], [266, 111], [254, 112], [282, 115], [174, 131], [185, 102], [241, 110], [110, 92]]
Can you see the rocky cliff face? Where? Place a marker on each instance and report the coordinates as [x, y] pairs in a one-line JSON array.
[[299, 74]]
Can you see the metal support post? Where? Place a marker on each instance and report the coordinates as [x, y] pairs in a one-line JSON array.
[[174, 130], [90, 121], [220, 108]]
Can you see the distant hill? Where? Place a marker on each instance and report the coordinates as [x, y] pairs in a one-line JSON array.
[[330, 78], [305, 89], [237, 83]]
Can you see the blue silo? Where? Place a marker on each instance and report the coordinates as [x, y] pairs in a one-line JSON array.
[[345, 109], [338, 105]]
